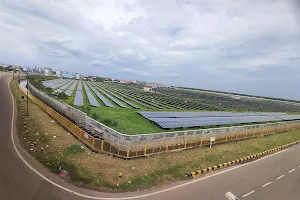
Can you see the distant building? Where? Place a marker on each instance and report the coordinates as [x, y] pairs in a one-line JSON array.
[[155, 85], [77, 76], [148, 88], [48, 71], [127, 81], [58, 74], [235, 97], [68, 75]]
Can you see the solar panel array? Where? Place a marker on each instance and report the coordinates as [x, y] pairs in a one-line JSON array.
[[63, 87], [90, 96], [101, 97], [70, 90], [51, 82], [122, 99], [57, 85], [197, 119], [78, 100], [112, 98]]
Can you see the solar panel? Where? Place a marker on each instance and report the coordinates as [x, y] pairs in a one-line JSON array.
[[195, 122], [192, 114], [78, 100], [112, 98], [90, 96], [70, 90], [62, 87], [132, 99], [101, 97], [60, 83], [129, 103], [196, 119]]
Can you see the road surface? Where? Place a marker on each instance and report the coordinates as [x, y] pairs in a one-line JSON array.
[[274, 177]]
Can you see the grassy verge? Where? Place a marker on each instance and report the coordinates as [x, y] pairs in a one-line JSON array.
[[58, 150]]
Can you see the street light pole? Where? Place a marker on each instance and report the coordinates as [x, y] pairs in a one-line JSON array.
[[27, 91]]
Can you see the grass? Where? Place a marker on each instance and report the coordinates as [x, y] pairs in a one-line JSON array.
[[58, 150]]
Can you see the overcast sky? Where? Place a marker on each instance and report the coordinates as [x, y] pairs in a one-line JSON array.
[[246, 46]]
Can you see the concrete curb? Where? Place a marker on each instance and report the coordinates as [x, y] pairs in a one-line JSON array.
[[253, 156]]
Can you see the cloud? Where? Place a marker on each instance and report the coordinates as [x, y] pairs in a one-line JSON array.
[[227, 45], [133, 71], [100, 63], [172, 74]]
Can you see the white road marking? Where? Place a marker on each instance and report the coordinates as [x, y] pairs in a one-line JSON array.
[[248, 193], [266, 184], [280, 177], [230, 196], [123, 198], [291, 170]]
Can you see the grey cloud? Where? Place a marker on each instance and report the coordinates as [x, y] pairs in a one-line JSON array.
[[211, 44]]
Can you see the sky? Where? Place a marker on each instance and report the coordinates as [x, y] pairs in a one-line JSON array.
[[245, 46]]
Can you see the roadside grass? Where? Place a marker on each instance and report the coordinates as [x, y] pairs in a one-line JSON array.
[[58, 150]]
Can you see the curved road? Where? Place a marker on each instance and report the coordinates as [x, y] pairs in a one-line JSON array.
[[274, 177]]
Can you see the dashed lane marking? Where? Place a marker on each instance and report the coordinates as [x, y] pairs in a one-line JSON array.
[[280, 177], [291, 170], [266, 184], [248, 193]]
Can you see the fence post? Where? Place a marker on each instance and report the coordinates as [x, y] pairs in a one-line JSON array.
[[167, 147], [93, 143], [128, 150], [145, 149], [102, 145], [185, 144]]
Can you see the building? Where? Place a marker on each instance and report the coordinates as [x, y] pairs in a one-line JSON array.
[[58, 74], [127, 81], [148, 88], [48, 71], [77, 76]]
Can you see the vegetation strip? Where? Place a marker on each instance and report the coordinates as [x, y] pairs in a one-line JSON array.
[[253, 156]]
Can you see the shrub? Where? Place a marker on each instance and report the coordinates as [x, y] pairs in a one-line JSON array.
[[95, 116], [74, 149]]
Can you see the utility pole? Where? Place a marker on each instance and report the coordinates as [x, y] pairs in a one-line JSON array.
[[27, 89]]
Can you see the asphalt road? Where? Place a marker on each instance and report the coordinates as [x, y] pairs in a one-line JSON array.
[[274, 177]]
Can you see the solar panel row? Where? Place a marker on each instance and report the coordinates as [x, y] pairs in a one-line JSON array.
[[195, 119], [132, 99], [78, 100], [122, 99], [90, 96], [62, 87], [202, 114], [70, 90], [57, 85], [101, 97], [112, 98]]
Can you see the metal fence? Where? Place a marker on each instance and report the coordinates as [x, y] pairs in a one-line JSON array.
[[91, 132]]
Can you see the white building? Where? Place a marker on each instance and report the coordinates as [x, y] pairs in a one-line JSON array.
[[58, 74], [77, 76], [148, 88], [48, 71]]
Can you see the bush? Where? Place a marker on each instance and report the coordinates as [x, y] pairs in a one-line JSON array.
[[62, 95], [95, 116], [74, 149], [109, 122]]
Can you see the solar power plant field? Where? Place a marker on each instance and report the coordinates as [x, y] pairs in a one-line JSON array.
[[227, 102], [198, 119], [129, 109]]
